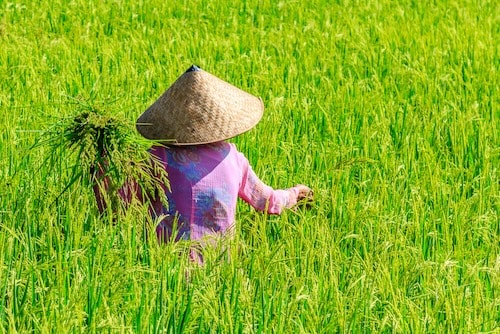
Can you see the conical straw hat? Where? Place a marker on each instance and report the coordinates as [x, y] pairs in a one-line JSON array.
[[200, 108]]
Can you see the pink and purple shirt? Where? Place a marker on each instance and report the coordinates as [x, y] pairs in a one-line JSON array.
[[206, 181]]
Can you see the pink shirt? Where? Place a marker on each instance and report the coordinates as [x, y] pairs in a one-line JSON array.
[[206, 181]]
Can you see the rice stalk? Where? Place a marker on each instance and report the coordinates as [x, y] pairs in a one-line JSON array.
[[104, 153]]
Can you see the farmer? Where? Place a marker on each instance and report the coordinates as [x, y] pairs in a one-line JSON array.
[[193, 119]]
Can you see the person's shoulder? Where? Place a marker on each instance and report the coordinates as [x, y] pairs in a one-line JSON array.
[[232, 148], [159, 151], [223, 146], [237, 156], [156, 149]]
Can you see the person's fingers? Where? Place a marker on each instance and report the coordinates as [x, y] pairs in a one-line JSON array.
[[305, 193]]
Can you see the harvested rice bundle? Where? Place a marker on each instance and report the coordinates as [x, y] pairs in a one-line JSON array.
[[103, 145]]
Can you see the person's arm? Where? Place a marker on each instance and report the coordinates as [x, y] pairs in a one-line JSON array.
[[264, 198], [101, 187]]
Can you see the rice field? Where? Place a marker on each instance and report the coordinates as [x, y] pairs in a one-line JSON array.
[[389, 110]]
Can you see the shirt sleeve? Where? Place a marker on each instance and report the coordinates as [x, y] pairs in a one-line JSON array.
[[261, 196], [127, 191]]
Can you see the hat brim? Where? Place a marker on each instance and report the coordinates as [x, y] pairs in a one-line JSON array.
[[200, 108]]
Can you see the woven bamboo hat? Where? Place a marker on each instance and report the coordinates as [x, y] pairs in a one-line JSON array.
[[200, 108]]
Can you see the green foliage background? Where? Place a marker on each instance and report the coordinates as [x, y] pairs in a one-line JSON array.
[[389, 110]]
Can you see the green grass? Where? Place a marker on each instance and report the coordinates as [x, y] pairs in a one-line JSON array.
[[389, 110]]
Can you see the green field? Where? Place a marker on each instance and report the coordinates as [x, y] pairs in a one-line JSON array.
[[389, 110]]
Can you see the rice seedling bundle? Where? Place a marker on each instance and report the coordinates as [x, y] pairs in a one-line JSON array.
[[106, 154]]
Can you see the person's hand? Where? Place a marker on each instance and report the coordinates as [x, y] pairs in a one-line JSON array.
[[305, 196]]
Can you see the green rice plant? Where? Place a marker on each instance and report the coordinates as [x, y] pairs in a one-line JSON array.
[[105, 154], [388, 109]]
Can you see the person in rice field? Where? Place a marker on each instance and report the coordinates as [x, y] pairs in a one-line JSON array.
[[193, 119]]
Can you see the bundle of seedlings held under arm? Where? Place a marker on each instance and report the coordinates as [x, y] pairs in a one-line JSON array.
[[107, 154]]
